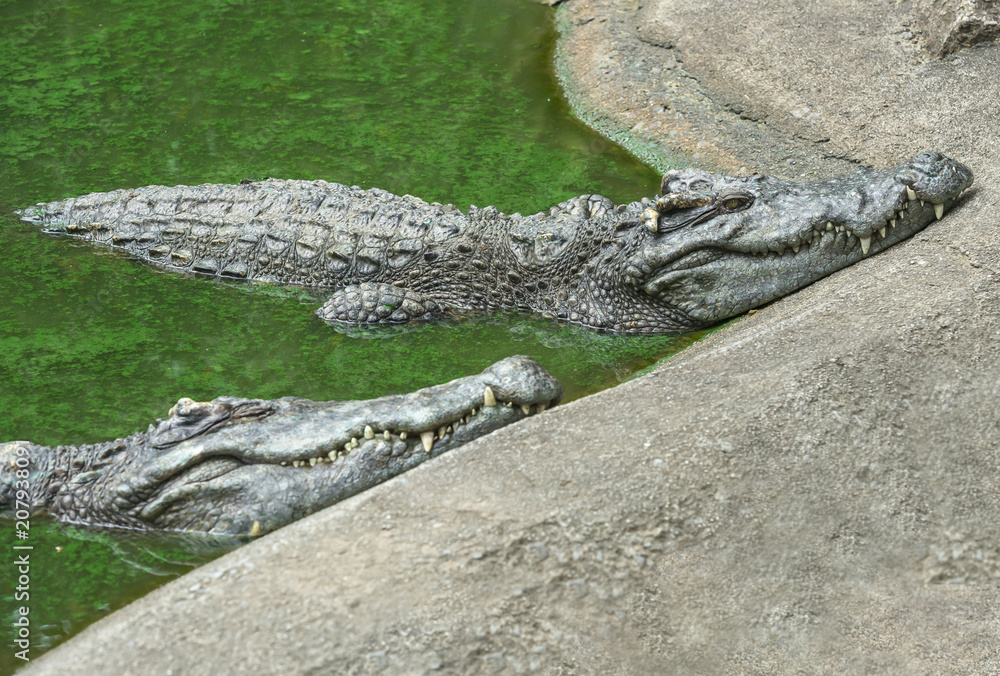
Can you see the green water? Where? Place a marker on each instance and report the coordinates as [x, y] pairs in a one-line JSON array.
[[451, 101]]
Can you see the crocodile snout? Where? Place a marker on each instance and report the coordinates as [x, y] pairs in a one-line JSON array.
[[935, 178], [522, 380]]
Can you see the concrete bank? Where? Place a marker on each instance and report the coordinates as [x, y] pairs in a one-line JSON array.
[[815, 489]]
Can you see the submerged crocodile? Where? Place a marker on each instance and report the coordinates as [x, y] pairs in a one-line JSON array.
[[708, 248], [249, 466]]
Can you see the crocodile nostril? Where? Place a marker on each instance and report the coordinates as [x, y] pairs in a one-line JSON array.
[[908, 176]]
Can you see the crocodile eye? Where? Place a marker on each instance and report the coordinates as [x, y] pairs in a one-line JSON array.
[[736, 202]]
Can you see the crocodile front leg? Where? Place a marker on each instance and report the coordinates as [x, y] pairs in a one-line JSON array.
[[380, 303]]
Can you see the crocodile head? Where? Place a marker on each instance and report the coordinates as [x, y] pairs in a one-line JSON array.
[[721, 245], [248, 466]]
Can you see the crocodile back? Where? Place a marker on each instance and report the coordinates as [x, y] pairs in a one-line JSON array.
[[312, 233]]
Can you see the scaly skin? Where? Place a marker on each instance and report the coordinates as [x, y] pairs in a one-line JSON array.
[[249, 466], [712, 247]]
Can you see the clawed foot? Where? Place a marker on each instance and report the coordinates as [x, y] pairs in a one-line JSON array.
[[378, 303]]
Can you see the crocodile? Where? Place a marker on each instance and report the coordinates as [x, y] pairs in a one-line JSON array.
[[707, 248], [235, 466]]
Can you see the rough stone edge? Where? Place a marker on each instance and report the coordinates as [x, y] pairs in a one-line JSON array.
[[603, 122], [708, 129]]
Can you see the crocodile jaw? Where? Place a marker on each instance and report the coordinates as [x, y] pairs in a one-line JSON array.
[[711, 284], [730, 265], [250, 478]]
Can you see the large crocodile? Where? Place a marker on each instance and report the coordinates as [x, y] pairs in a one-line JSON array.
[[249, 466], [710, 247]]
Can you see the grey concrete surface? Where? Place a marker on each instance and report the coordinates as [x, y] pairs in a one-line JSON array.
[[814, 490]]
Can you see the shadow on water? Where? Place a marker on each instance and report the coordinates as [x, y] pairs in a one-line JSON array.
[[451, 101]]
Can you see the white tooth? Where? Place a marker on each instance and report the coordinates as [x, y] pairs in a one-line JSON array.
[[921, 203], [881, 231], [284, 463], [892, 222], [829, 225], [910, 194], [427, 438], [840, 228], [332, 455], [489, 399], [474, 411], [526, 409], [369, 432], [296, 463], [354, 441], [386, 435], [402, 435], [509, 404], [938, 211], [442, 431], [313, 461], [542, 407], [795, 247], [865, 243]]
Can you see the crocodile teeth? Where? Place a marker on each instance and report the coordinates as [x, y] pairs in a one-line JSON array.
[[402, 435], [526, 409], [489, 399], [938, 211], [892, 222], [921, 203], [369, 432], [829, 225], [427, 439], [865, 243], [881, 231], [795, 247], [542, 407], [899, 215], [386, 435], [910, 195]]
